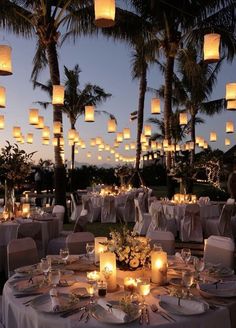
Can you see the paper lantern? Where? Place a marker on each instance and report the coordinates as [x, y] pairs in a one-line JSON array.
[[76, 151], [33, 116], [55, 141], [2, 97], [150, 157], [89, 114], [155, 156], [229, 128], [119, 137], [153, 145], [45, 141], [71, 142], [40, 124], [230, 91], [205, 145], [71, 134], [126, 147], [5, 60], [89, 155], [2, 122], [61, 141], [16, 131], [227, 142], [57, 127], [165, 143], [145, 158], [159, 267], [191, 145], [58, 92], [197, 139], [116, 144], [92, 142], [126, 133], [231, 105], [107, 147], [98, 141], [111, 126], [112, 151], [147, 130], [99, 157], [201, 142], [132, 145], [183, 118], [108, 158], [177, 148], [46, 132], [211, 47], [104, 13], [155, 106], [143, 139], [83, 145], [29, 138], [101, 146], [213, 136]]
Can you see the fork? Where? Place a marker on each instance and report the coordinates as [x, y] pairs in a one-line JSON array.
[[155, 309]]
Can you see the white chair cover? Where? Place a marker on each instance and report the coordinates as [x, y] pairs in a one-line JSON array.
[[59, 211], [143, 201], [21, 252], [204, 200], [76, 242], [108, 211], [222, 226], [81, 221], [191, 224], [127, 212], [158, 221], [165, 238], [142, 220], [219, 250], [94, 212], [230, 201], [34, 231]]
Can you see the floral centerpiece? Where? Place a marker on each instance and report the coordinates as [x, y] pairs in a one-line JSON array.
[[132, 251]]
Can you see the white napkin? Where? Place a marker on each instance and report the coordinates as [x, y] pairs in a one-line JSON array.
[[178, 257], [186, 306], [118, 313], [54, 300], [224, 289]]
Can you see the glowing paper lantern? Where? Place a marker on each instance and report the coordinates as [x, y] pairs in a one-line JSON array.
[[2, 122], [147, 130], [54, 141], [45, 141], [143, 139], [230, 91], [29, 138], [205, 145], [183, 118], [16, 131], [33, 116], [132, 145], [111, 126], [229, 128], [213, 136], [83, 145], [165, 143], [126, 147], [40, 124], [126, 133], [211, 47], [58, 93], [119, 137], [98, 141], [46, 132], [89, 114], [71, 134], [231, 105], [2, 97], [155, 106], [99, 157], [61, 141], [104, 12], [92, 142], [227, 142], [107, 147], [57, 127], [5, 60], [89, 155]]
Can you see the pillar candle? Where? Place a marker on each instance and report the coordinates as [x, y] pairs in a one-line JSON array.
[[25, 208], [159, 267], [108, 270], [99, 248]]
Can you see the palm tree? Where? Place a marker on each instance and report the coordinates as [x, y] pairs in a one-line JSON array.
[[76, 99]]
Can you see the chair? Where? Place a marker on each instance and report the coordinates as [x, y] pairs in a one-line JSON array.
[[94, 212], [21, 252], [142, 220], [59, 212], [34, 231], [127, 212], [143, 201], [76, 242], [219, 250], [165, 238], [108, 210], [222, 226], [1, 326], [191, 224], [75, 205], [81, 221]]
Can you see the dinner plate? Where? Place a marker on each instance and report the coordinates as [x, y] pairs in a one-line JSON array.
[[220, 272], [222, 289], [106, 317], [28, 269], [26, 286], [187, 307], [43, 303]]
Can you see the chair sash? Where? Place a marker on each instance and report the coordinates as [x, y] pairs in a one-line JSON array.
[[225, 220]]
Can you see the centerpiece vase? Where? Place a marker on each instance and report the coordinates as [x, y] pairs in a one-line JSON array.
[[9, 198]]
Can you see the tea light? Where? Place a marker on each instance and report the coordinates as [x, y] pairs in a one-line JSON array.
[[182, 198], [5, 215], [99, 248], [47, 205], [177, 198], [108, 270], [91, 290], [194, 198], [144, 287], [159, 267], [93, 276], [130, 284], [25, 209]]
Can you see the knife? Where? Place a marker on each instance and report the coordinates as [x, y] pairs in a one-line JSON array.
[[72, 311], [27, 295]]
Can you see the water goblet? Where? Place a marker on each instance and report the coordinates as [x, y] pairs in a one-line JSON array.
[[199, 266], [186, 255], [55, 277], [64, 253], [187, 280], [90, 250], [45, 267]]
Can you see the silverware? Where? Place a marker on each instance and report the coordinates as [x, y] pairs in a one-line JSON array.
[[166, 316], [141, 317], [27, 295], [147, 319], [72, 311]]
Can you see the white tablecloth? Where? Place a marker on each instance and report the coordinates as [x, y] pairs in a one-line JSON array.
[[16, 315]]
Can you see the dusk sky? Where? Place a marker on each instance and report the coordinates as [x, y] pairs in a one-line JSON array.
[[107, 64]]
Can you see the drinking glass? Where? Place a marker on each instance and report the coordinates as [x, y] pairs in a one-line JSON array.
[[157, 247], [90, 250], [55, 277], [45, 267], [199, 266], [144, 286], [186, 255], [64, 253], [187, 280]]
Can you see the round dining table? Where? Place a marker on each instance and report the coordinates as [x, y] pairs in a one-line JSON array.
[[18, 312]]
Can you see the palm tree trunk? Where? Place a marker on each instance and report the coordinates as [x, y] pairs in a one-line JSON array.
[[142, 92], [72, 150], [167, 117], [59, 172], [193, 137]]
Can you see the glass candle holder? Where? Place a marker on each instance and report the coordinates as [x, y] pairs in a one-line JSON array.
[[102, 288]]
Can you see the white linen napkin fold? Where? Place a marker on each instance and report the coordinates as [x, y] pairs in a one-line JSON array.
[[187, 306], [178, 257], [118, 313], [54, 300]]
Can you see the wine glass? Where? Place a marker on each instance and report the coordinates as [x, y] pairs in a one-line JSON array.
[[199, 266], [187, 280], [90, 250], [64, 253], [186, 255], [45, 267], [55, 277], [157, 247]]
